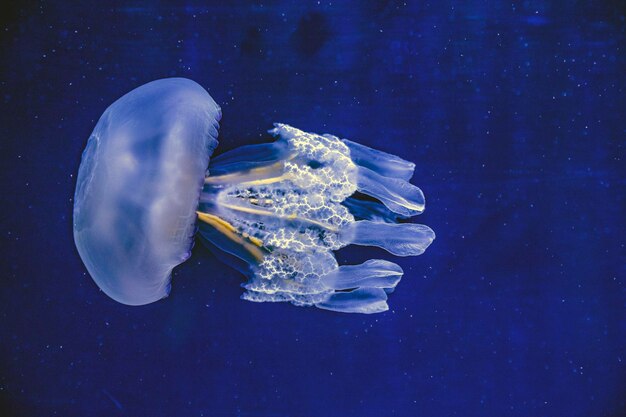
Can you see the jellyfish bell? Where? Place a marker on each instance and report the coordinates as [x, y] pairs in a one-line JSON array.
[[274, 211], [138, 186]]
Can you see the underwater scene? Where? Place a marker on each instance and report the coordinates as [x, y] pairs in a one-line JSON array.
[[326, 208]]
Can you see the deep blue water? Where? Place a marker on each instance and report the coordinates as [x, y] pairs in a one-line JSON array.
[[515, 116]]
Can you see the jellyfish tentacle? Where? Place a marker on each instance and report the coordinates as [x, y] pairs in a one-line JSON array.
[[229, 239], [265, 174], [226, 227], [370, 210], [383, 163], [242, 207], [361, 300], [376, 273], [289, 275], [405, 239], [249, 157], [398, 195]]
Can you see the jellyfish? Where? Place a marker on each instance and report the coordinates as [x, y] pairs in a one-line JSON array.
[[146, 190]]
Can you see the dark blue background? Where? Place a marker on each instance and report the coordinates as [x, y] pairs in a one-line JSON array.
[[515, 116]]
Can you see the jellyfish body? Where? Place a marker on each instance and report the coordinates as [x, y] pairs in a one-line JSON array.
[[138, 185], [274, 211]]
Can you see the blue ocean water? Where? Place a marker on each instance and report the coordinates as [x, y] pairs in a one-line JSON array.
[[514, 113]]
